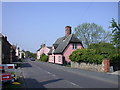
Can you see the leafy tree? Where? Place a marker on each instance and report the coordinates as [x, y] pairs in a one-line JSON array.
[[91, 33], [34, 55], [105, 49], [22, 55], [108, 50], [30, 54], [116, 33], [115, 61]]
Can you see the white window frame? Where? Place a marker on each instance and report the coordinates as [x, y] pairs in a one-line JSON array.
[[59, 58], [74, 45], [52, 58]]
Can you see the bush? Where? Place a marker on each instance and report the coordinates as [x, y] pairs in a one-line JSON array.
[[115, 61], [44, 58], [104, 49], [86, 55]]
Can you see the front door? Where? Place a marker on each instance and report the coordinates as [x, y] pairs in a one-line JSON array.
[[54, 59]]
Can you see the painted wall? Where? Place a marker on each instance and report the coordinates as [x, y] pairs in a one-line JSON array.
[[58, 59], [44, 50], [38, 54], [51, 58], [69, 50], [1, 50]]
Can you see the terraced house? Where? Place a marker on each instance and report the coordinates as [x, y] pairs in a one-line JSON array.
[[7, 51], [43, 50], [63, 47]]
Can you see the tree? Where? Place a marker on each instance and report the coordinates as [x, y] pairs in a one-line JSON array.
[[22, 55], [30, 54], [105, 49], [115, 33], [91, 33]]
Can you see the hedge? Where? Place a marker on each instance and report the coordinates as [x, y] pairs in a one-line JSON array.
[[44, 58], [87, 56], [115, 61]]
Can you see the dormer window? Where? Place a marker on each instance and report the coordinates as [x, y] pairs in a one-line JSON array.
[[74, 45], [63, 40]]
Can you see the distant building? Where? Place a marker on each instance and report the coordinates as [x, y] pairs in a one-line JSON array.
[[7, 51], [63, 47], [22, 54], [43, 50], [17, 52], [1, 48]]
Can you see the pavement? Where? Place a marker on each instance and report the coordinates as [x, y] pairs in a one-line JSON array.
[[46, 75], [115, 73]]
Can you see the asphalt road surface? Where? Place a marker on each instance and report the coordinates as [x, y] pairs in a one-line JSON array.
[[46, 75]]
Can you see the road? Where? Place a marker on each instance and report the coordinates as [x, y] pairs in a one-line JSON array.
[[46, 75]]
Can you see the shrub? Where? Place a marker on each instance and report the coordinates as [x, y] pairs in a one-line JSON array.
[[104, 49], [86, 55], [115, 61], [44, 58]]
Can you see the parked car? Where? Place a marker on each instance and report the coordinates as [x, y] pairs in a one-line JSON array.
[[7, 73], [32, 59], [6, 77]]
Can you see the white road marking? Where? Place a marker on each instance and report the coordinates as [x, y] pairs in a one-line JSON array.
[[49, 72], [73, 84], [54, 75]]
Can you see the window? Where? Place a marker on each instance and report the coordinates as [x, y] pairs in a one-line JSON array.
[[52, 58], [74, 45], [59, 58]]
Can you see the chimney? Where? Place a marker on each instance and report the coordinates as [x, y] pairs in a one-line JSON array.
[[67, 30], [5, 37], [43, 45]]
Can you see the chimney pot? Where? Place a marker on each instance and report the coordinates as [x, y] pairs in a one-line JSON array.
[[67, 30]]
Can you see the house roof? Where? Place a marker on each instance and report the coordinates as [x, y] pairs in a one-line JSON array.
[[1, 35], [62, 43], [39, 49], [49, 47], [50, 52]]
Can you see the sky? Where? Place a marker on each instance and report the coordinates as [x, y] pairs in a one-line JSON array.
[[29, 24]]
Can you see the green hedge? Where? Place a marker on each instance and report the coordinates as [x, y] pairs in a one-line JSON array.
[[44, 58], [104, 49], [115, 61], [87, 56]]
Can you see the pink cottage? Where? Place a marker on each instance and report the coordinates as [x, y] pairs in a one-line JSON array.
[[63, 47], [43, 50]]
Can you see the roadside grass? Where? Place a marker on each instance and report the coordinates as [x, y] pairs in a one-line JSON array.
[[68, 65], [8, 85]]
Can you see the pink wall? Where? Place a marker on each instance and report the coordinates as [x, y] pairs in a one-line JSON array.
[[57, 60], [66, 54], [44, 50], [51, 57], [38, 54], [69, 50]]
